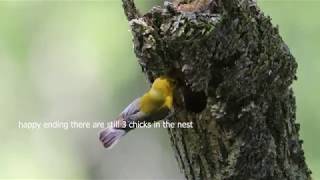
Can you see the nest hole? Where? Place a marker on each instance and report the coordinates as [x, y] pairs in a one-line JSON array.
[[194, 101]]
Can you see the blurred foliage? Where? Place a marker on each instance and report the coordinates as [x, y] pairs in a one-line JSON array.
[[73, 60]]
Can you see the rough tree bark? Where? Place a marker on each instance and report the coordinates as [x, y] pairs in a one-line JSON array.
[[234, 76]]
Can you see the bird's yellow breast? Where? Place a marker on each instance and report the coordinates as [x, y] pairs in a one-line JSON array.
[[159, 96]]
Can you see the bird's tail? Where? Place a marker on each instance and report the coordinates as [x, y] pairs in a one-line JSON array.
[[110, 136]]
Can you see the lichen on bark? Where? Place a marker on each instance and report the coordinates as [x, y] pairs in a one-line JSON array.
[[235, 74]]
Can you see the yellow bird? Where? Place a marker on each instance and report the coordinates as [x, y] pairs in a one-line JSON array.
[[156, 104]]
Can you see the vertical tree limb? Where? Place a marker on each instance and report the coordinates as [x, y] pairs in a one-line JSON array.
[[130, 9], [235, 75]]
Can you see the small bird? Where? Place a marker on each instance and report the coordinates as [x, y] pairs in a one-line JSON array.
[[156, 104]]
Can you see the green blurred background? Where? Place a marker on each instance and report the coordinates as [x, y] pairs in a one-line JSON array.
[[73, 60]]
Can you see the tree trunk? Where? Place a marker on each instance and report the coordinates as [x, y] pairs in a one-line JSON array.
[[234, 75]]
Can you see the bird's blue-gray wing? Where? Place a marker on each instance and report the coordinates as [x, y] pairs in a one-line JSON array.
[[132, 108]]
